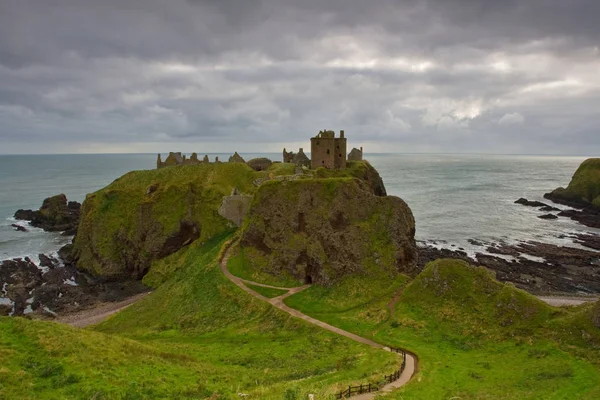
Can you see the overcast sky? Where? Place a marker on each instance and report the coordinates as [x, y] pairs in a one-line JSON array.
[[467, 76]]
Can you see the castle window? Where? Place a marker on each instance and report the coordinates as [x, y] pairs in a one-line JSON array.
[[327, 151], [323, 162], [340, 155], [338, 147], [317, 142]]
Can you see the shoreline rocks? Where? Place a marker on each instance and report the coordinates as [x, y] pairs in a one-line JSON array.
[[54, 288], [55, 215], [536, 267], [582, 194], [19, 228]]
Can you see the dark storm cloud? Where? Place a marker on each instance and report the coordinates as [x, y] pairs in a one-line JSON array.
[[453, 75]]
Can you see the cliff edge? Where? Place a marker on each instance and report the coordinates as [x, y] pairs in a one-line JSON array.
[[319, 230], [584, 188]]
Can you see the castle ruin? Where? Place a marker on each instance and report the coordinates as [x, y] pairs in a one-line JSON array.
[[300, 159], [328, 151], [176, 158]]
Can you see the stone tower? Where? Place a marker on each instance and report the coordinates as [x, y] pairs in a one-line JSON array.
[[328, 151]]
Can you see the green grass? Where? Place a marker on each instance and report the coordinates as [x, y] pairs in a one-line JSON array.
[[267, 292], [585, 184], [476, 338], [278, 169], [240, 266], [196, 335]]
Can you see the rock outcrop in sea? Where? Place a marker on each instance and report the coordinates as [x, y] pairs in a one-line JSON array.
[[56, 215], [582, 193]]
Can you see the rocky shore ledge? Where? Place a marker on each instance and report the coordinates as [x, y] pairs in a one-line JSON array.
[[54, 286], [539, 268]]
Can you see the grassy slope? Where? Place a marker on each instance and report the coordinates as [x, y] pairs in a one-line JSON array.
[[240, 266], [476, 338], [585, 183], [197, 334], [267, 292]]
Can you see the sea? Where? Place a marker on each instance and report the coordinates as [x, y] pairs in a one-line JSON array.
[[458, 201]]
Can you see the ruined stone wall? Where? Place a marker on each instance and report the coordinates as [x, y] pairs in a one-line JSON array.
[[288, 157], [340, 153], [322, 152], [356, 154], [235, 207]]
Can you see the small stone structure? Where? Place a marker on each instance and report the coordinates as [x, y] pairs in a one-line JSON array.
[[300, 159], [176, 158], [260, 164], [356, 154], [328, 151], [235, 207], [236, 158]]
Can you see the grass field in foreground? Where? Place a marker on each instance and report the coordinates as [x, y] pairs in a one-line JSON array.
[[475, 338], [196, 335]]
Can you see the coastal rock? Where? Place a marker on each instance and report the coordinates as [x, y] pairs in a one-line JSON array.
[[588, 240], [548, 216], [582, 193], [19, 228], [59, 290], [5, 310], [260, 164], [48, 261], [528, 203], [549, 208], [55, 215], [322, 230], [533, 266], [588, 216]]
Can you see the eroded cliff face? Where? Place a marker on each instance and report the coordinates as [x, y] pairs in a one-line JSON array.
[[320, 230], [147, 215]]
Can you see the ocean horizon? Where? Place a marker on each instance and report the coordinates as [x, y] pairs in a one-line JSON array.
[[455, 198]]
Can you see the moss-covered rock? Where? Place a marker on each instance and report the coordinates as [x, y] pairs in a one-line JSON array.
[[584, 188], [357, 169], [55, 215], [320, 230], [147, 215]]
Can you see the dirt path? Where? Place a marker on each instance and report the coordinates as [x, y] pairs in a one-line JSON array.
[[97, 314], [409, 369], [560, 301]]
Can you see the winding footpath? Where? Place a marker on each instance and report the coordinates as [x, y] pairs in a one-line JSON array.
[[409, 369]]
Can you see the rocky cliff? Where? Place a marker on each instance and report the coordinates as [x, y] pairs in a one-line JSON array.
[[319, 230], [584, 188], [147, 215], [582, 193]]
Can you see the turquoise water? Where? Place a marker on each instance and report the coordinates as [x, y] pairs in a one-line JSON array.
[[454, 197]]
